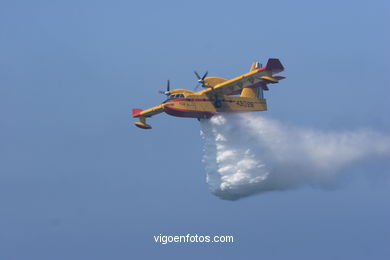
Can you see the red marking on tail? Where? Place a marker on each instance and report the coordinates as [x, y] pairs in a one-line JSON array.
[[136, 112]]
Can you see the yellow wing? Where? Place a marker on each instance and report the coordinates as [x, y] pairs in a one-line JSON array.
[[255, 76], [143, 114], [148, 112]]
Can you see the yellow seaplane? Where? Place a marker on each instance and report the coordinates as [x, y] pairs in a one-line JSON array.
[[241, 94]]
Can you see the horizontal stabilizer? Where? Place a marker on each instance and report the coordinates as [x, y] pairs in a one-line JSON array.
[[278, 77], [269, 79], [274, 65]]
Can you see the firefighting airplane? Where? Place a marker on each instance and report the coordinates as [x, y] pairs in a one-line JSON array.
[[219, 95]]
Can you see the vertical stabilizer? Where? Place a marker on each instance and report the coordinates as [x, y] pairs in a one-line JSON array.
[[252, 92]]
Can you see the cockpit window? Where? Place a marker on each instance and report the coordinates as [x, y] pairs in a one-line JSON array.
[[173, 97]]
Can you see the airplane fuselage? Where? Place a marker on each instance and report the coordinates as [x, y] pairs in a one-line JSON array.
[[201, 106]]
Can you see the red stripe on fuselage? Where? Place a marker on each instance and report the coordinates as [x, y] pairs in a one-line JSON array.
[[208, 100], [189, 99]]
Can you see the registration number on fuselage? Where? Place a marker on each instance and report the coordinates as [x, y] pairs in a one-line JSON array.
[[245, 103]]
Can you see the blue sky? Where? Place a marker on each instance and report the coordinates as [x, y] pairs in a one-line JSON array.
[[79, 181]]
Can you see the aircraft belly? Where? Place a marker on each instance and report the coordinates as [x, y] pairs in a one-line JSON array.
[[190, 109]]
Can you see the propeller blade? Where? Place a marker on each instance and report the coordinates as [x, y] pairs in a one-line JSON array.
[[197, 75], [197, 86], [205, 75], [200, 79]]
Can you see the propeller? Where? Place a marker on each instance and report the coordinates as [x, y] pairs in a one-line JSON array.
[[168, 89], [200, 79]]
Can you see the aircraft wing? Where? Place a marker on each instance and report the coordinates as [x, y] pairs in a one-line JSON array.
[[255, 76], [148, 112], [143, 114]]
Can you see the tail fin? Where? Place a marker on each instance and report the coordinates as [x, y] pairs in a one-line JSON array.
[[274, 65], [252, 92]]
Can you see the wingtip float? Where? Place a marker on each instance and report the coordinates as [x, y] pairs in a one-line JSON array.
[[218, 96]]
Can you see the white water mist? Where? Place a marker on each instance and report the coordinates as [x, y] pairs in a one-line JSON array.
[[248, 154]]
